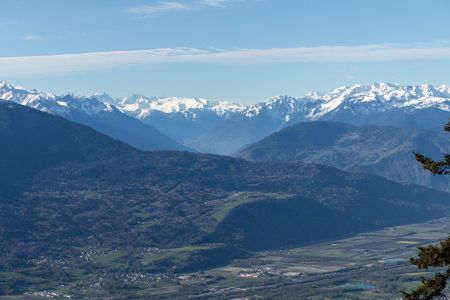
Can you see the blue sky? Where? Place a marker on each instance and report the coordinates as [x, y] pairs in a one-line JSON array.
[[238, 50]]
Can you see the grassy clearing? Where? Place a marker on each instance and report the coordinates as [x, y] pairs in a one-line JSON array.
[[175, 255], [410, 285], [238, 199], [108, 259], [418, 274], [408, 242]]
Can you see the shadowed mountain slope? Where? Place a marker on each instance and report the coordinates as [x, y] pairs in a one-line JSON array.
[[381, 150]]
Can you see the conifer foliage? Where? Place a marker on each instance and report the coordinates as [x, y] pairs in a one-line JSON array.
[[436, 167], [433, 256]]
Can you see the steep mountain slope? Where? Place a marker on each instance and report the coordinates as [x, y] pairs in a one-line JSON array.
[[381, 150], [67, 190], [91, 112], [224, 128], [27, 149]]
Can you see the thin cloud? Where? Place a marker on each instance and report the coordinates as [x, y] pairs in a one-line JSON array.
[[31, 37], [95, 61], [215, 3], [161, 7], [170, 6]]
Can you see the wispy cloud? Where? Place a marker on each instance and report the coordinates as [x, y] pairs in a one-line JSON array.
[[87, 62], [214, 3], [349, 76], [31, 37], [161, 7], [169, 6]]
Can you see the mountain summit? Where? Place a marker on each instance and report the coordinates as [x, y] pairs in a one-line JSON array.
[[379, 96], [94, 112]]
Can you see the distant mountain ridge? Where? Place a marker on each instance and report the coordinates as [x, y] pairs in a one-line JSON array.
[[92, 112], [313, 106], [225, 127], [381, 150]]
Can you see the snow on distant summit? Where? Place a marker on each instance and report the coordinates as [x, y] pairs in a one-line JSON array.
[[224, 127], [51, 103], [364, 99], [361, 99], [96, 111], [142, 107], [381, 97]]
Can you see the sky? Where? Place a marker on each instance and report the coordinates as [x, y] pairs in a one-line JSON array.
[[236, 50]]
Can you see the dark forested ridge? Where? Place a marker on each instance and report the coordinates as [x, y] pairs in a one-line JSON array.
[[66, 187], [381, 150], [32, 141]]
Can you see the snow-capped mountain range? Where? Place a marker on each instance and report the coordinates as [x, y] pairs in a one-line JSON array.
[[376, 97], [223, 127], [51, 103], [93, 112], [142, 107]]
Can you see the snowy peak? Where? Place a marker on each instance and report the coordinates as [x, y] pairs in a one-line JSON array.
[[102, 97], [2, 84], [136, 98], [389, 91], [142, 107], [225, 108], [355, 100], [175, 104], [278, 105], [387, 96], [21, 95], [50, 103]]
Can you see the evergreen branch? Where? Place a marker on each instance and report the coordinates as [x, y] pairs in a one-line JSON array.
[[433, 255], [435, 167], [430, 288]]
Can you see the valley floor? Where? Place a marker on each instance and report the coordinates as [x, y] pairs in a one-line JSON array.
[[367, 266], [372, 265]]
